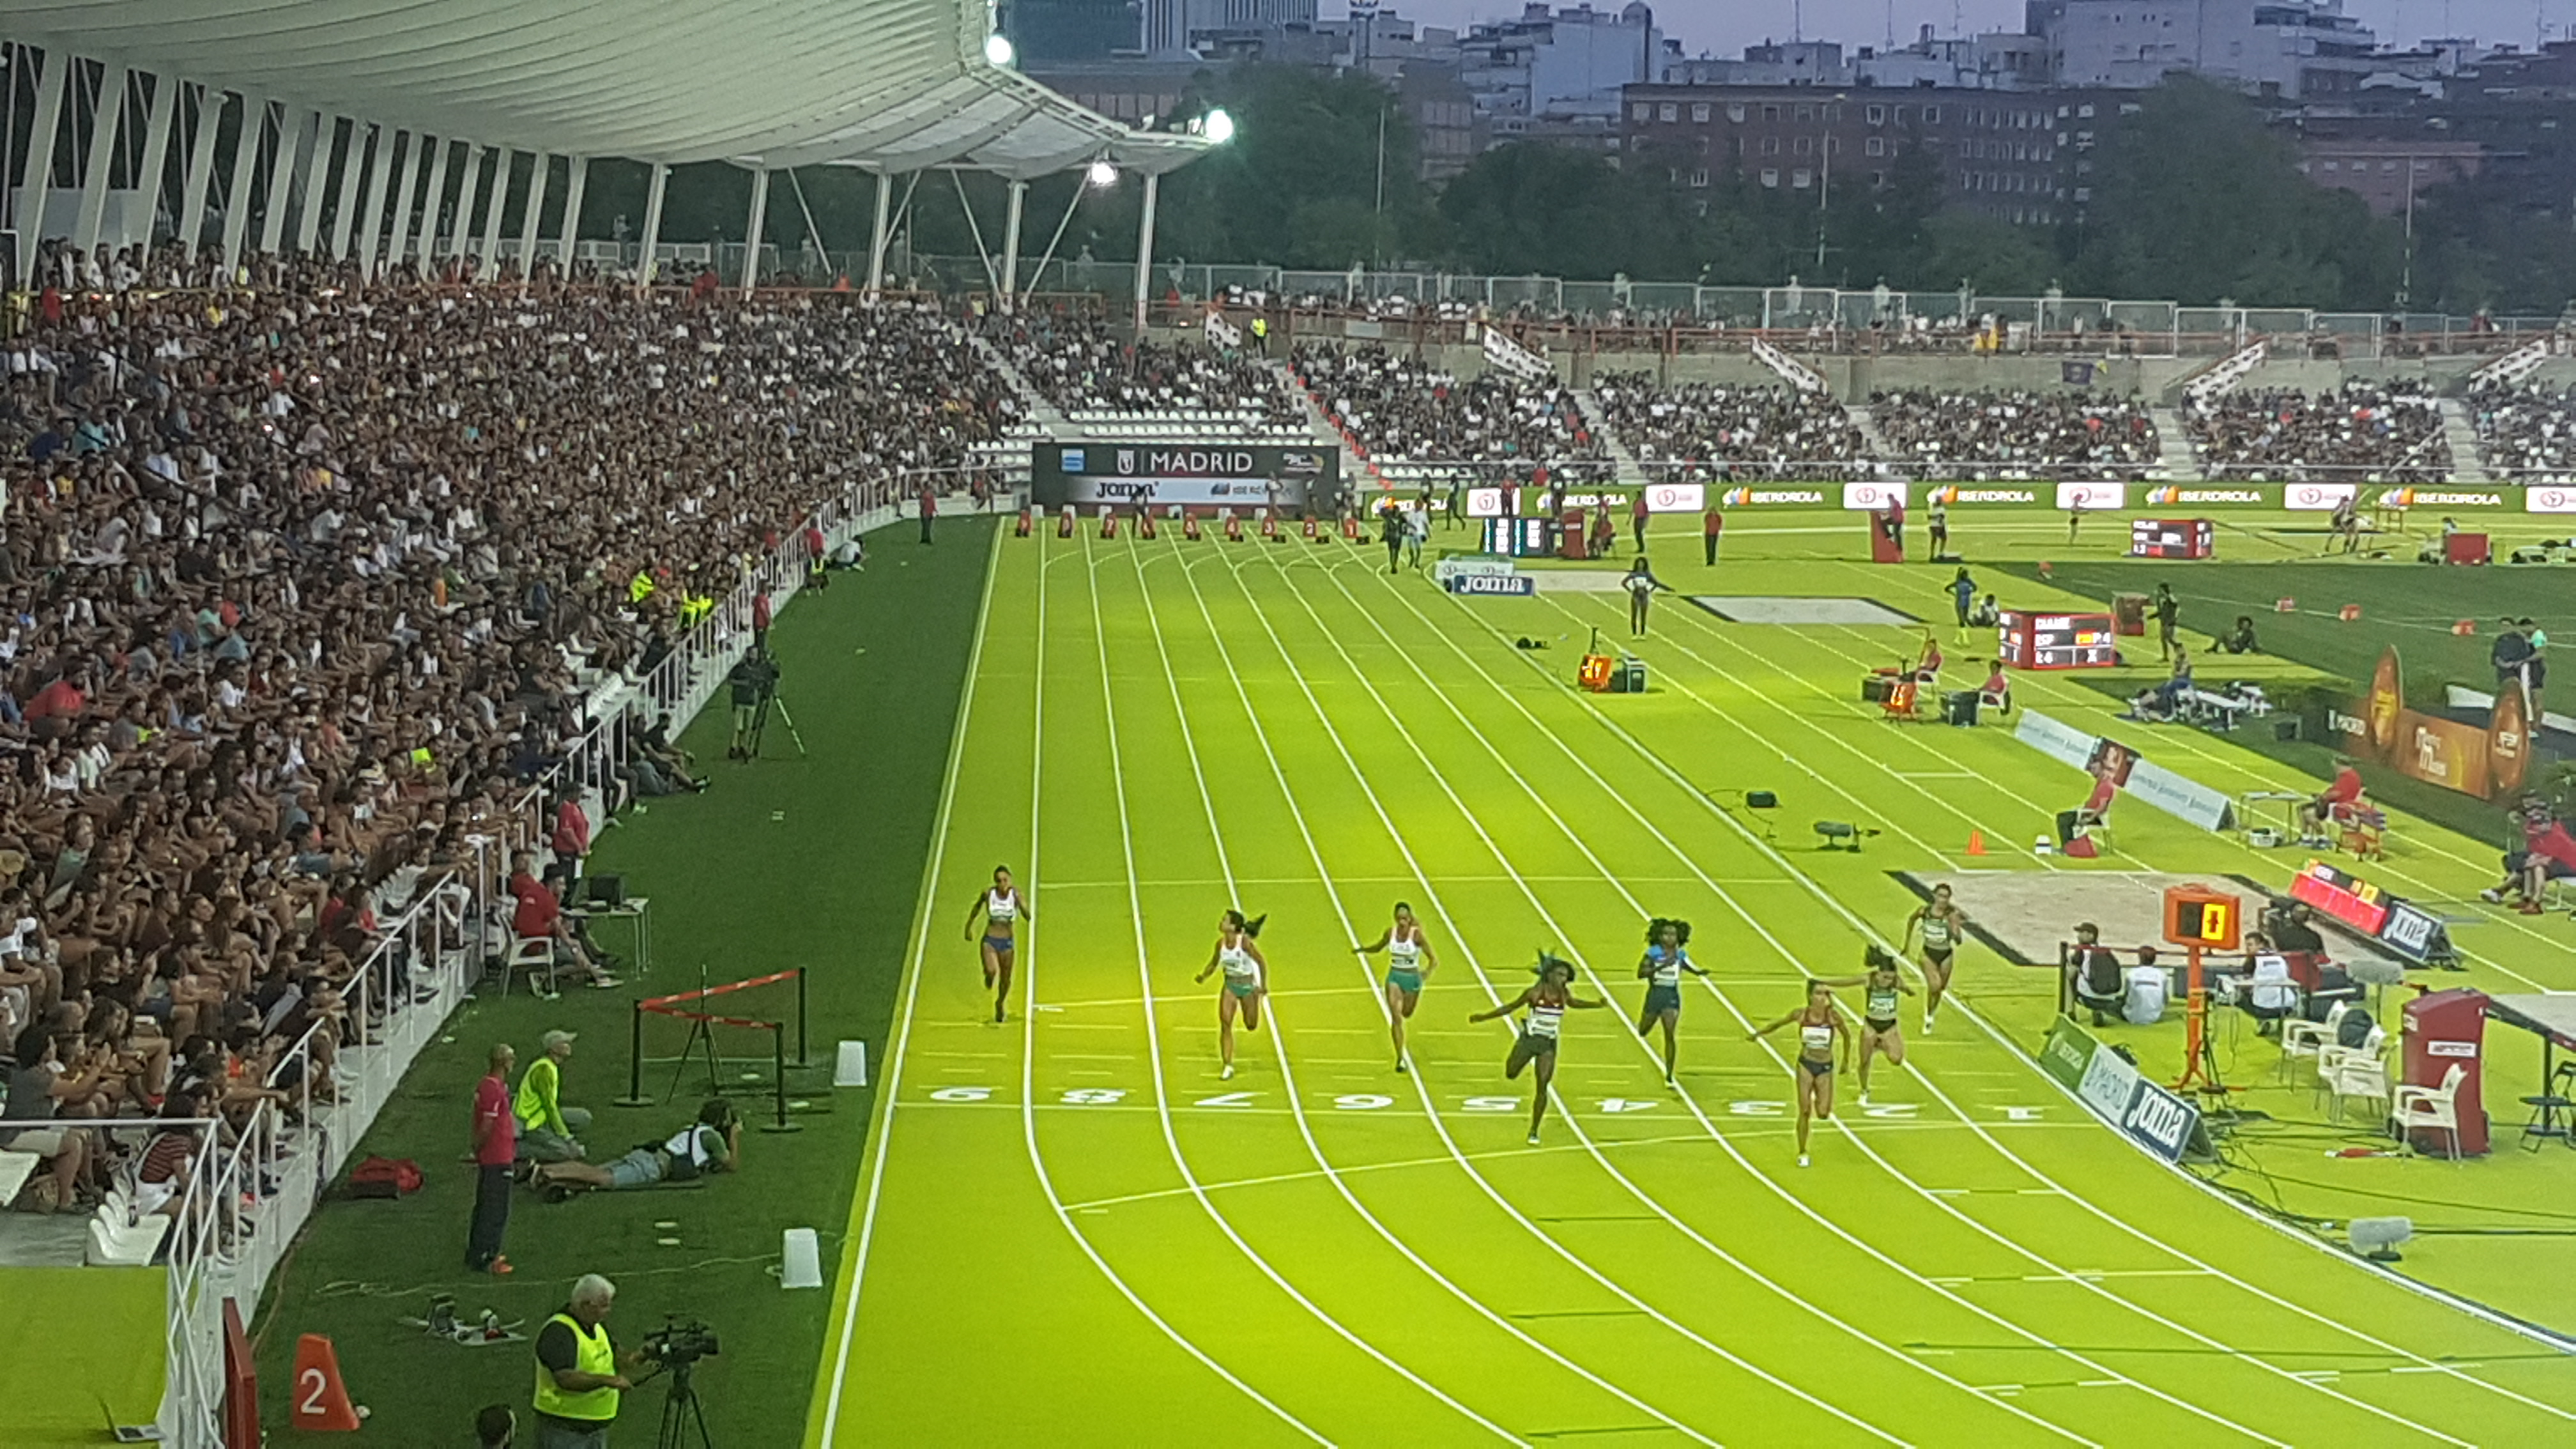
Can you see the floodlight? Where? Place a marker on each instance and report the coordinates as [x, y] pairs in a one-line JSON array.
[[1218, 127], [1101, 173], [997, 49]]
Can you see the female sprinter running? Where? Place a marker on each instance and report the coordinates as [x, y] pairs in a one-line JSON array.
[[1409, 962], [1942, 924], [1662, 968], [1247, 979], [1879, 1031], [1002, 910], [1547, 1002], [1824, 1048]]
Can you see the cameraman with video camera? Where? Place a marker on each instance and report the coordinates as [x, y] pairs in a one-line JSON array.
[[754, 680], [579, 1374]]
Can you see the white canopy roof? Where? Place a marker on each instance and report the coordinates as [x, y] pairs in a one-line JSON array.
[[889, 85]]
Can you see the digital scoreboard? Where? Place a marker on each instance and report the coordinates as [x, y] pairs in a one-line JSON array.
[[2172, 538], [2056, 641], [1521, 537], [2198, 917]]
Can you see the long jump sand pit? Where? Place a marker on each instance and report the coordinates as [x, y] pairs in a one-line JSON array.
[[2025, 915]]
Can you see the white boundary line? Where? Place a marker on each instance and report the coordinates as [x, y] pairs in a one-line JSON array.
[[1154, 1047], [881, 1140]]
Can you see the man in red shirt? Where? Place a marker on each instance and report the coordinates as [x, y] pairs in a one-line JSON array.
[[817, 557], [571, 838], [2094, 812], [760, 619], [929, 511], [1711, 524], [496, 1150], [2548, 853], [2342, 794], [1637, 519], [57, 707], [538, 916]]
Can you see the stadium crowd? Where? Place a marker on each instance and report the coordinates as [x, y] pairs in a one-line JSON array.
[[1698, 432], [2527, 432], [1401, 410], [308, 583], [2357, 433], [1078, 364], [2015, 433]]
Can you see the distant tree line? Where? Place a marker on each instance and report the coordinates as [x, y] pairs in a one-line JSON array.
[[2193, 198]]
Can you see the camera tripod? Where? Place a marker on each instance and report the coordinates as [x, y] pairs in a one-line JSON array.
[[684, 1419], [760, 724]]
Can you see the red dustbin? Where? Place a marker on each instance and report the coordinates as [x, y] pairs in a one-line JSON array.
[[2464, 548], [2446, 1029]]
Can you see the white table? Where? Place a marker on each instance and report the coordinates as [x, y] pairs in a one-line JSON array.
[[633, 911]]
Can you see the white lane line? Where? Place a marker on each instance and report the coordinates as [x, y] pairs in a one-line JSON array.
[[1028, 1052], [1867, 932], [1580, 844], [1154, 1049], [1278, 1041], [1432, 772]]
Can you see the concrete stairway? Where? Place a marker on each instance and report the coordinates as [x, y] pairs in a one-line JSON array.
[[1623, 463], [1879, 447], [2468, 463], [1354, 471], [2175, 460], [1038, 410]]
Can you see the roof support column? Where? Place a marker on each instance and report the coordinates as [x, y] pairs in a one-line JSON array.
[[652, 223], [106, 114], [37, 178], [344, 214], [312, 178], [433, 197], [398, 214], [529, 213], [462, 226], [294, 136], [758, 223], [572, 214], [168, 91], [877, 235], [201, 170], [1145, 254], [1011, 245], [254, 119], [371, 211], [490, 255]]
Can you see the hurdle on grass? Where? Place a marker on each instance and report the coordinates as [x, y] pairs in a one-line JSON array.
[[702, 1025]]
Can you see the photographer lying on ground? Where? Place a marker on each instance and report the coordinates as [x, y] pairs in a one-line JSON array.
[[711, 1144]]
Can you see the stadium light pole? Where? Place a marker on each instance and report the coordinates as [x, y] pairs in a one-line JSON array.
[[1011, 244], [1145, 253]]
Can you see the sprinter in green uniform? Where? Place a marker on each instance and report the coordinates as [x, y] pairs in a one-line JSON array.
[[1409, 962]]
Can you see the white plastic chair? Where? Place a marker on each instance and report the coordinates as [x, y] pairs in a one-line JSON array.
[[2354, 1072], [530, 954], [119, 1240], [2303, 1038], [2433, 1109]]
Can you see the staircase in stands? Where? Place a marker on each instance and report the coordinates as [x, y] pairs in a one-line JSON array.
[[2468, 460], [1596, 417], [2175, 460]]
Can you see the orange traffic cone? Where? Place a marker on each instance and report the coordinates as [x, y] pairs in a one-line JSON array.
[[321, 1401], [1976, 842]]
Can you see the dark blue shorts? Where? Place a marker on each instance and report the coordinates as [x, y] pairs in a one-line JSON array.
[[1660, 999]]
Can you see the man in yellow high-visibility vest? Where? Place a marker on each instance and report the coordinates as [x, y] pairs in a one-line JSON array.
[[578, 1372]]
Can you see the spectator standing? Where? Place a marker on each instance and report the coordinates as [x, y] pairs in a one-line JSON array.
[[548, 1130], [496, 1149], [929, 511]]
